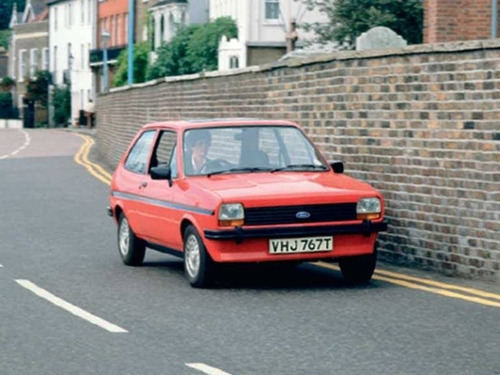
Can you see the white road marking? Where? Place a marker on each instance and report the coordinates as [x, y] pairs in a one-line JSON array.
[[69, 307], [27, 141], [206, 369], [1, 266]]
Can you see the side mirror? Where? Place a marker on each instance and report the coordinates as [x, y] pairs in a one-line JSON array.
[[338, 166], [161, 173]]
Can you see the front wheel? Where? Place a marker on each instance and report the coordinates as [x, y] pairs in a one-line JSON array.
[[131, 248], [198, 266], [358, 269]]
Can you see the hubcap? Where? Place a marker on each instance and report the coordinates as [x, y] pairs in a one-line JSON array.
[[192, 256], [124, 237]]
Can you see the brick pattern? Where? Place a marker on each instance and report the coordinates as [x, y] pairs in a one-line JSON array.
[[421, 125], [454, 20]]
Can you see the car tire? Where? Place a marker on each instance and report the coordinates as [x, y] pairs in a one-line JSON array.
[[131, 248], [199, 267], [358, 269]]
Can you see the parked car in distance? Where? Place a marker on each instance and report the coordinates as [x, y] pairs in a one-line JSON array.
[[241, 191]]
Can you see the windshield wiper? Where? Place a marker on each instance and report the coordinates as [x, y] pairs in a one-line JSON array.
[[292, 167], [236, 170]]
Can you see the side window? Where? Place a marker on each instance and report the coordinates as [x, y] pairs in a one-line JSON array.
[[164, 153], [137, 159]]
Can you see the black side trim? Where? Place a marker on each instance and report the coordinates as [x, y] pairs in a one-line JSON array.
[[238, 234], [164, 249], [157, 202]]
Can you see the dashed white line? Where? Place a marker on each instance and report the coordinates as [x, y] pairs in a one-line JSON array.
[[27, 141], [70, 307], [206, 369]]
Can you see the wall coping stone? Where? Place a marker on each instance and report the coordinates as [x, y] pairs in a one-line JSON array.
[[462, 46]]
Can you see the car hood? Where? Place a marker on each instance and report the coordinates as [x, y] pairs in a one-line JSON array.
[[272, 189]]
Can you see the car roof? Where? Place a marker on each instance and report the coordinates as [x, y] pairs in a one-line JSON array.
[[214, 122]]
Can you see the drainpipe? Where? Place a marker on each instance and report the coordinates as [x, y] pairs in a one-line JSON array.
[[494, 19]]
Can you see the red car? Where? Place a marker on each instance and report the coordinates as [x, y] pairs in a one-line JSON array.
[[241, 190]]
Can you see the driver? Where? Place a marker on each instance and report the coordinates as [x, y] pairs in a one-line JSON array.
[[198, 143]]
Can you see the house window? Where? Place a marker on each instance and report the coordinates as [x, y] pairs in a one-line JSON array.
[[89, 9], [112, 31], [70, 57], [22, 65], [272, 9], [171, 25], [13, 66], [234, 62], [82, 10], [153, 33], [55, 59], [55, 19], [69, 18], [103, 27], [45, 59], [82, 56], [33, 62], [125, 27], [119, 30], [162, 29]]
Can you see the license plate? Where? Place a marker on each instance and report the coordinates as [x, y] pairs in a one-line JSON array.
[[300, 245]]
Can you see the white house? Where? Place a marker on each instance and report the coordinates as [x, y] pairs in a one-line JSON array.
[[263, 26], [71, 30]]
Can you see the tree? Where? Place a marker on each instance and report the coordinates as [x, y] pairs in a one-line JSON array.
[[37, 88], [203, 47], [350, 18], [6, 11], [141, 59], [7, 83], [172, 57], [193, 49], [62, 105], [4, 38]]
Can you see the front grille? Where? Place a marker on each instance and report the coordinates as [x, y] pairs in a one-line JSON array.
[[287, 214]]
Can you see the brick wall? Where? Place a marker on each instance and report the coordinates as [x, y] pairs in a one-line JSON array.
[[421, 124], [455, 20]]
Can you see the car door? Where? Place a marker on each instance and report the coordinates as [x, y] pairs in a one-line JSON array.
[[162, 215], [134, 179]]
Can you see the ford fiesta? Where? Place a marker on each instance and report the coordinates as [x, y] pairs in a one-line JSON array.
[[236, 191]]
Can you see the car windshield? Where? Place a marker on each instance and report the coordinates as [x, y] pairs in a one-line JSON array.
[[249, 149]]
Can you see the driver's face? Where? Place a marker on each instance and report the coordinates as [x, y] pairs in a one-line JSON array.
[[199, 149]]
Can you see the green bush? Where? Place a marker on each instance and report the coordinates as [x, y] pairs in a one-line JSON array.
[[4, 38], [350, 18], [5, 105], [62, 105], [141, 60], [172, 57], [193, 49], [37, 88]]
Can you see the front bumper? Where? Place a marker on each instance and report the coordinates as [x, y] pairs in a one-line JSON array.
[[239, 234]]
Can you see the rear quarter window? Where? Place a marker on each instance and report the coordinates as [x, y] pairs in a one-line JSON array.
[[137, 159]]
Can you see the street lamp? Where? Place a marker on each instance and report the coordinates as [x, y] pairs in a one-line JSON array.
[[104, 40]]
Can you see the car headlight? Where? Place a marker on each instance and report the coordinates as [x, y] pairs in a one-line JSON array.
[[231, 214], [368, 209]]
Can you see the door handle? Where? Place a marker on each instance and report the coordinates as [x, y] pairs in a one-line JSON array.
[[143, 185]]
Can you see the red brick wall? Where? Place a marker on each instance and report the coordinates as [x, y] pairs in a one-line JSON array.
[[421, 125], [455, 20]]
